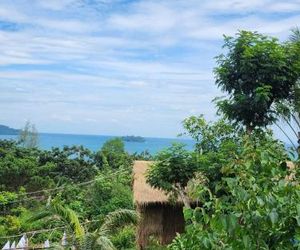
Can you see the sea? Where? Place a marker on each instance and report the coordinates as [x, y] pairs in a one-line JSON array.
[[95, 142]]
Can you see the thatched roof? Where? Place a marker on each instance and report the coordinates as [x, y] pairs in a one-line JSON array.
[[143, 193]]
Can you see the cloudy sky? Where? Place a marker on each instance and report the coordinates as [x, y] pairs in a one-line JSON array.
[[120, 66]]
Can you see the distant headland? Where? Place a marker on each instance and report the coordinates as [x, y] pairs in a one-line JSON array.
[[132, 138], [5, 130]]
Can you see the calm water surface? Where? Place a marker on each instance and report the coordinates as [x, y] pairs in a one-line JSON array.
[[95, 142]]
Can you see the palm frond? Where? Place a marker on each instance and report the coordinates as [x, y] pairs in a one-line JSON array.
[[117, 219], [103, 243], [88, 242], [73, 220], [69, 216], [56, 210], [295, 36], [39, 216]]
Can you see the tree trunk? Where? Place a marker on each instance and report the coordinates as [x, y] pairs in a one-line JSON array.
[[184, 197]]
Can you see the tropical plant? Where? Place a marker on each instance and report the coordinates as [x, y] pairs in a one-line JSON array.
[[81, 237], [56, 213], [254, 205], [295, 36]]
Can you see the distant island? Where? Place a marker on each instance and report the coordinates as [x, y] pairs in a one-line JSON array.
[[132, 138], [5, 130]]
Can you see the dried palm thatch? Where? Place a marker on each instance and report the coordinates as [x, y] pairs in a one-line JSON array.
[[159, 217], [143, 193]]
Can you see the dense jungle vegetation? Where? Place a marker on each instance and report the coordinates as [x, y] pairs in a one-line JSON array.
[[58, 181], [245, 181]]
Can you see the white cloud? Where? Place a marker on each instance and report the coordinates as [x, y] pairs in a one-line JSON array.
[[262, 6], [54, 4], [115, 67]]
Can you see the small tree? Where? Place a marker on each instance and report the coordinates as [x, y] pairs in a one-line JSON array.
[[256, 72], [28, 136], [173, 168], [113, 154]]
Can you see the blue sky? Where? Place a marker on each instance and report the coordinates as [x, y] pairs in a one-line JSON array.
[[117, 66]]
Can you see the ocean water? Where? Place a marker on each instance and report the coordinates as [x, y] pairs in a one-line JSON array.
[[95, 142]]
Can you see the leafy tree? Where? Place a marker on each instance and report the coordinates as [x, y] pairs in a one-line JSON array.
[[256, 72], [216, 143], [209, 136], [172, 170], [17, 165], [70, 163], [113, 154], [28, 136]]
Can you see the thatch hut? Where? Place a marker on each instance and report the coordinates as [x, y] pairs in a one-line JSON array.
[[159, 217]]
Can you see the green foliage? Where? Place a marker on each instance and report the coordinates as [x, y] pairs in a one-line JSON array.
[[249, 197], [56, 211], [125, 238], [295, 36], [257, 71], [35, 169], [116, 219], [17, 165], [216, 143], [173, 168], [109, 193], [253, 206], [30, 169], [74, 163], [209, 136], [113, 154], [81, 237]]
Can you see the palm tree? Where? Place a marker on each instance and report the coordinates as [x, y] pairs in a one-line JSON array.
[[295, 36], [99, 239], [55, 211]]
